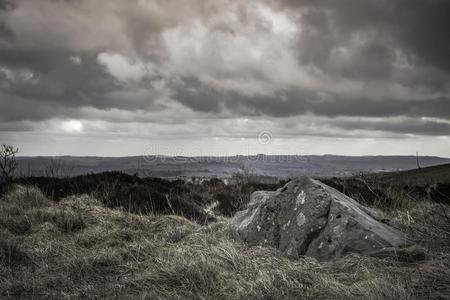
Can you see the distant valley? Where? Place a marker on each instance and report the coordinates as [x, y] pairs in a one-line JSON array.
[[258, 165]]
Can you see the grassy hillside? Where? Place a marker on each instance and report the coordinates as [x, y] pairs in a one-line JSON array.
[[417, 177], [392, 190], [80, 248]]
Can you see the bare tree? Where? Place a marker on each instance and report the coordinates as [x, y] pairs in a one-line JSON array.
[[8, 162], [55, 168]]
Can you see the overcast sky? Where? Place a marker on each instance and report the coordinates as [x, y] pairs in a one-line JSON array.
[[203, 77]]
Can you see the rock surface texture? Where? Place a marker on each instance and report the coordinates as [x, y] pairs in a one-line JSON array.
[[307, 217]]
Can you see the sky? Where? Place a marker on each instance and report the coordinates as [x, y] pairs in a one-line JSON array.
[[225, 77]]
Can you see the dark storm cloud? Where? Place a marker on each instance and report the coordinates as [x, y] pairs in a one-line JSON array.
[[420, 27], [47, 83], [56, 82], [202, 97], [197, 96], [363, 41], [264, 59], [49, 54], [6, 5], [58, 78], [408, 126]]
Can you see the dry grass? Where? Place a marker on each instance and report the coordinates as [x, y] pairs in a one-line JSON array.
[[79, 248]]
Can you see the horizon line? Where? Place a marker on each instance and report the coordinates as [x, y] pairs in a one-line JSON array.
[[235, 155]]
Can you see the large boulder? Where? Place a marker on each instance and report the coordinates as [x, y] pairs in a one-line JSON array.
[[307, 217]]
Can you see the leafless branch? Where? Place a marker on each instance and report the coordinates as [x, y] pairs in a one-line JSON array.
[[8, 162]]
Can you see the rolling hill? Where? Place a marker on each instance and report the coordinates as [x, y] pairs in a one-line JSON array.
[[261, 165]]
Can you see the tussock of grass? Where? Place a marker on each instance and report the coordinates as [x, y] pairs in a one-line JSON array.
[[15, 203], [79, 248], [11, 254], [427, 223]]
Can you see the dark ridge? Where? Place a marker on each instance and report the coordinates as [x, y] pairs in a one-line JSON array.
[[151, 195]]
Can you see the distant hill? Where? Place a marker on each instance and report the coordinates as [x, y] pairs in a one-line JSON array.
[[280, 166]]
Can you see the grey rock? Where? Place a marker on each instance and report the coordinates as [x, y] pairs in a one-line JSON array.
[[309, 218]]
